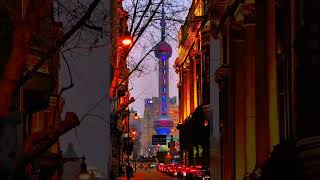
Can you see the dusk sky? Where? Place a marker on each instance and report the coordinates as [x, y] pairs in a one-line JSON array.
[[146, 85], [90, 77]]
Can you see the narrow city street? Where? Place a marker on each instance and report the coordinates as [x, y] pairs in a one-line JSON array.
[[149, 174]]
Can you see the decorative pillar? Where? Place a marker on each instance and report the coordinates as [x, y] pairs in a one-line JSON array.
[[240, 89], [188, 89], [272, 73], [261, 84], [223, 78], [249, 26], [195, 83], [191, 85], [185, 87]]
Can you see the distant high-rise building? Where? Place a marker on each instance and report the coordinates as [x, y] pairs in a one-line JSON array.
[[147, 129], [163, 51]]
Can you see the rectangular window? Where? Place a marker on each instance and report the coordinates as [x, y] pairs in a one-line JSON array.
[[164, 81], [163, 90]]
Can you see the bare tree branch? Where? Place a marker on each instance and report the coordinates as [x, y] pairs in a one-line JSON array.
[[54, 49]]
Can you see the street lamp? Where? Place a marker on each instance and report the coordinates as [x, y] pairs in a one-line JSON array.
[[84, 175], [136, 116], [126, 41]]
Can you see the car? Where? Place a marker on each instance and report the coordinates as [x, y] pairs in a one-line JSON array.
[[160, 167], [173, 170], [182, 171], [152, 165], [201, 173]]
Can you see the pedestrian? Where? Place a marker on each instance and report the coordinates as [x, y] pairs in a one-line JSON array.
[[112, 175], [123, 170], [129, 171]]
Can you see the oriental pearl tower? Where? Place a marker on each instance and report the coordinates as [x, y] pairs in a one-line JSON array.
[[163, 52]]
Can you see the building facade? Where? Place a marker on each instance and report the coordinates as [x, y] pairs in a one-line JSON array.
[[119, 94], [36, 107], [151, 109], [260, 60], [192, 65]]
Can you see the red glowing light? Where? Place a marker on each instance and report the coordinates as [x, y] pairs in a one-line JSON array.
[[127, 41]]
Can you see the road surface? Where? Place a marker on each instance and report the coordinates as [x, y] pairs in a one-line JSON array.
[[149, 174]]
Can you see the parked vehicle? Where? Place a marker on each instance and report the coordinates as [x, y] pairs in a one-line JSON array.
[[153, 165], [161, 167], [173, 170], [182, 172], [201, 173]]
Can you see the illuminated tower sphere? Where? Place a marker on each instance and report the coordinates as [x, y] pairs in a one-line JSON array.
[[163, 52]]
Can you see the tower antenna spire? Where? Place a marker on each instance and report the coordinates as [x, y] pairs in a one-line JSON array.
[[163, 25]]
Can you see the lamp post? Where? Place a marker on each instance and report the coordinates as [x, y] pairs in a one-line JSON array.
[[84, 175], [128, 138], [135, 117]]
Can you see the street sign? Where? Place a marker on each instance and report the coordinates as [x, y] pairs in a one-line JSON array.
[[159, 139]]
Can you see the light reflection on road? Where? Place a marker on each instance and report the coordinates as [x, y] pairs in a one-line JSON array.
[[150, 174]]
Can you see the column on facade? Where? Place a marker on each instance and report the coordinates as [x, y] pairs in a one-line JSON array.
[[261, 86], [228, 105], [191, 85], [180, 88], [188, 90], [250, 112], [293, 64], [185, 87], [272, 75], [240, 90], [195, 90]]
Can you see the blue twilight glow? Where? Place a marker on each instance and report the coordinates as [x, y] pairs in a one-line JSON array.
[[162, 131]]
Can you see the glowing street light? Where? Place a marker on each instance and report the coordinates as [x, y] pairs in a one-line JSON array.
[[126, 41], [84, 175], [136, 116], [134, 132]]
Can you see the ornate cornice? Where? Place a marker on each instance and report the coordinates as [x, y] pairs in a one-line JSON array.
[[249, 13]]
